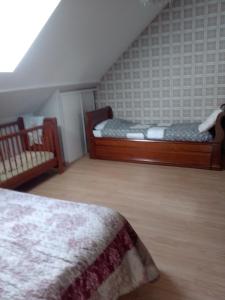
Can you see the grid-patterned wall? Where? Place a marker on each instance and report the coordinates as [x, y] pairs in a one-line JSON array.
[[175, 70]]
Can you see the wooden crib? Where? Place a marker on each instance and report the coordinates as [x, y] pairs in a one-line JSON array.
[[27, 153]]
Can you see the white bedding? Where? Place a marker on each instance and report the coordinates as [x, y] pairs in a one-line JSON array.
[[156, 133], [136, 135], [122, 129], [101, 125], [97, 133], [210, 121], [131, 135]]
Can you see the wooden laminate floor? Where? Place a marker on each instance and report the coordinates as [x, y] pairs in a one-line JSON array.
[[179, 214]]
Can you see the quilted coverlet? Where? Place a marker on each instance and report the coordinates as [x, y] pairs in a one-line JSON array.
[[117, 128], [59, 250]]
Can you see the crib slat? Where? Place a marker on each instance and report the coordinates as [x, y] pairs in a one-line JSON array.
[[21, 135], [9, 156], [47, 141], [14, 150], [4, 169], [1, 147], [39, 151], [6, 144], [34, 137], [45, 148], [51, 142], [19, 150], [4, 147]]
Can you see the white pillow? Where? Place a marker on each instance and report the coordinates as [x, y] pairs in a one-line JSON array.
[[31, 121], [101, 125], [210, 121]]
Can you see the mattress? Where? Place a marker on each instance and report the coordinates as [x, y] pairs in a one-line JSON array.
[[187, 132], [117, 128], [59, 250], [23, 162], [129, 135]]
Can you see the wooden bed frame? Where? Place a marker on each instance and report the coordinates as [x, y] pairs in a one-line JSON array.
[[14, 139], [205, 155]]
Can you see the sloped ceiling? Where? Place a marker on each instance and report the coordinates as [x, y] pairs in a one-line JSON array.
[[21, 102], [80, 42]]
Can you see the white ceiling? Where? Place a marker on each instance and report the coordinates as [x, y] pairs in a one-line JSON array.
[[80, 42], [21, 102]]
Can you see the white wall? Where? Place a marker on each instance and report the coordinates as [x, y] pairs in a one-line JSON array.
[[81, 40], [7, 120], [50, 109], [18, 103]]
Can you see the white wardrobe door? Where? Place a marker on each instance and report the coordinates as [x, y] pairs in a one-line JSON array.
[[73, 138]]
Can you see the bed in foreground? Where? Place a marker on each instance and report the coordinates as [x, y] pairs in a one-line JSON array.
[[60, 250]]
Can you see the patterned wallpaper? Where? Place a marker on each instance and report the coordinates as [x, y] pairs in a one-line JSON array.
[[175, 70]]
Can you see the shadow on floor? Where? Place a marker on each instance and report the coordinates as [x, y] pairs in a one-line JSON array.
[[163, 289], [26, 187]]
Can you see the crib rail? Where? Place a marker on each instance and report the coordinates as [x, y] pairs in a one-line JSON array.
[[22, 151], [11, 124], [9, 128]]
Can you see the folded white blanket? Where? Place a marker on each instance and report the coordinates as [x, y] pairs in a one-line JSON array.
[[135, 136], [156, 133]]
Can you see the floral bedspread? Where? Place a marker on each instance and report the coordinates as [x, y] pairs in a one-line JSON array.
[[60, 250]]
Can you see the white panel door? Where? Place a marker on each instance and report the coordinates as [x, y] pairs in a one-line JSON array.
[[72, 131]]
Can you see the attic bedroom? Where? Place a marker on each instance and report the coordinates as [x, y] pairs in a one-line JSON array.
[[112, 149]]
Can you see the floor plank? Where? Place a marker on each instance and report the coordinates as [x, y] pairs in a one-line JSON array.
[[179, 214]]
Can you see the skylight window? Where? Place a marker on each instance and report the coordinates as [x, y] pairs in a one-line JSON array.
[[20, 23]]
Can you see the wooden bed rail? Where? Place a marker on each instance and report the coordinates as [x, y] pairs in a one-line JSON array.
[[99, 115], [21, 132], [94, 118]]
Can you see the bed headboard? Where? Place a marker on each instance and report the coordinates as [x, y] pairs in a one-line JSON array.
[[96, 116]]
